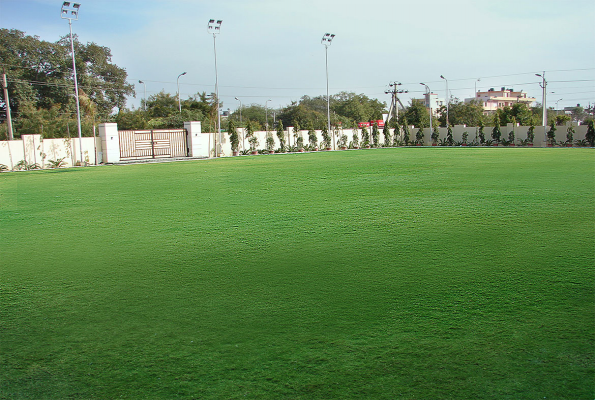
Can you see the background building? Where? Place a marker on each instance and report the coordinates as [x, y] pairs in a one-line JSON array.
[[493, 100]]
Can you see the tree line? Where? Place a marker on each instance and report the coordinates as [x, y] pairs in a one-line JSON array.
[[42, 102]]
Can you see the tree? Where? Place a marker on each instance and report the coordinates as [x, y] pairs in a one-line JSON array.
[[365, 137], [590, 136], [233, 135], [40, 84], [496, 132], [299, 140], [419, 135], [406, 135], [252, 139], [482, 136], [281, 136], [551, 134], [449, 138], [570, 134], [312, 136], [531, 134], [375, 134], [326, 137], [40, 76], [417, 114], [386, 134]]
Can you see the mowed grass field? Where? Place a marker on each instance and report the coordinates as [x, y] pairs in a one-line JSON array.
[[381, 274]]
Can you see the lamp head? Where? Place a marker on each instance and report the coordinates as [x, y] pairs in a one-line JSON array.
[[70, 10], [214, 27]]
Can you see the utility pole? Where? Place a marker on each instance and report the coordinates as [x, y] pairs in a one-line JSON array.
[[394, 103], [7, 102]]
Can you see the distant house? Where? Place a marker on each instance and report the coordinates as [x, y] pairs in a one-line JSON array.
[[432, 99], [493, 100]]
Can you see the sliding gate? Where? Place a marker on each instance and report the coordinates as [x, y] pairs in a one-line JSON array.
[[159, 143]]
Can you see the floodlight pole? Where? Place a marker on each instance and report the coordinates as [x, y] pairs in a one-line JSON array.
[[145, 97], [178, 83], [214, 27], [72, 13], [326, 41]]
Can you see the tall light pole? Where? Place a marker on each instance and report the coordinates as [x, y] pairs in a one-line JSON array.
[[178, 82], [214, 27], [145, 97], [429, 93], [326, 41], [70, 11], [243, 138], [475, 94], [447, 100], [266, 115], [557, 106], [543, 85]]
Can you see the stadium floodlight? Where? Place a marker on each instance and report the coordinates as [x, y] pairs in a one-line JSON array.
[[70, 11], [327, 39]]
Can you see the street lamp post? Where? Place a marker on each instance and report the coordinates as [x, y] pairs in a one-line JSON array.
[[543, 85], [326, 41], [447, 100], [475, 94], [214, 27], [243, 136], [145, 96], [179, 102], [266, 116], [70, 11], [429, 93]]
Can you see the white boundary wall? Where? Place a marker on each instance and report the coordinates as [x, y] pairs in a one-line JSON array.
[[32, 149], [105, 148], [520, 133]]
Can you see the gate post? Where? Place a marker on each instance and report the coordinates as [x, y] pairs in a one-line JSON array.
[[110, 142], [196, 142]]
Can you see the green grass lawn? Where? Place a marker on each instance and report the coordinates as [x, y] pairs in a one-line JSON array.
[[382, 274]]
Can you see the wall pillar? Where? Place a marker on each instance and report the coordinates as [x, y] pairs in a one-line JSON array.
[[197, 143], [110, 142]]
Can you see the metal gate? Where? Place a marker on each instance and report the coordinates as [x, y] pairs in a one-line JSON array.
[[160, 143]]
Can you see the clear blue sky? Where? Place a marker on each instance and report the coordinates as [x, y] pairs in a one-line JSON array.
[[270, 49]]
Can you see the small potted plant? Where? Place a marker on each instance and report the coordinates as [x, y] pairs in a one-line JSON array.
[[342, 142], [449, 138], [312, 137], [365, 138], [569, 136], [234, 139], [419, 136], [434, 136], [530, 136], [299, 139], [326, 138], [355, 139], [270, 144], [252, 139]]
